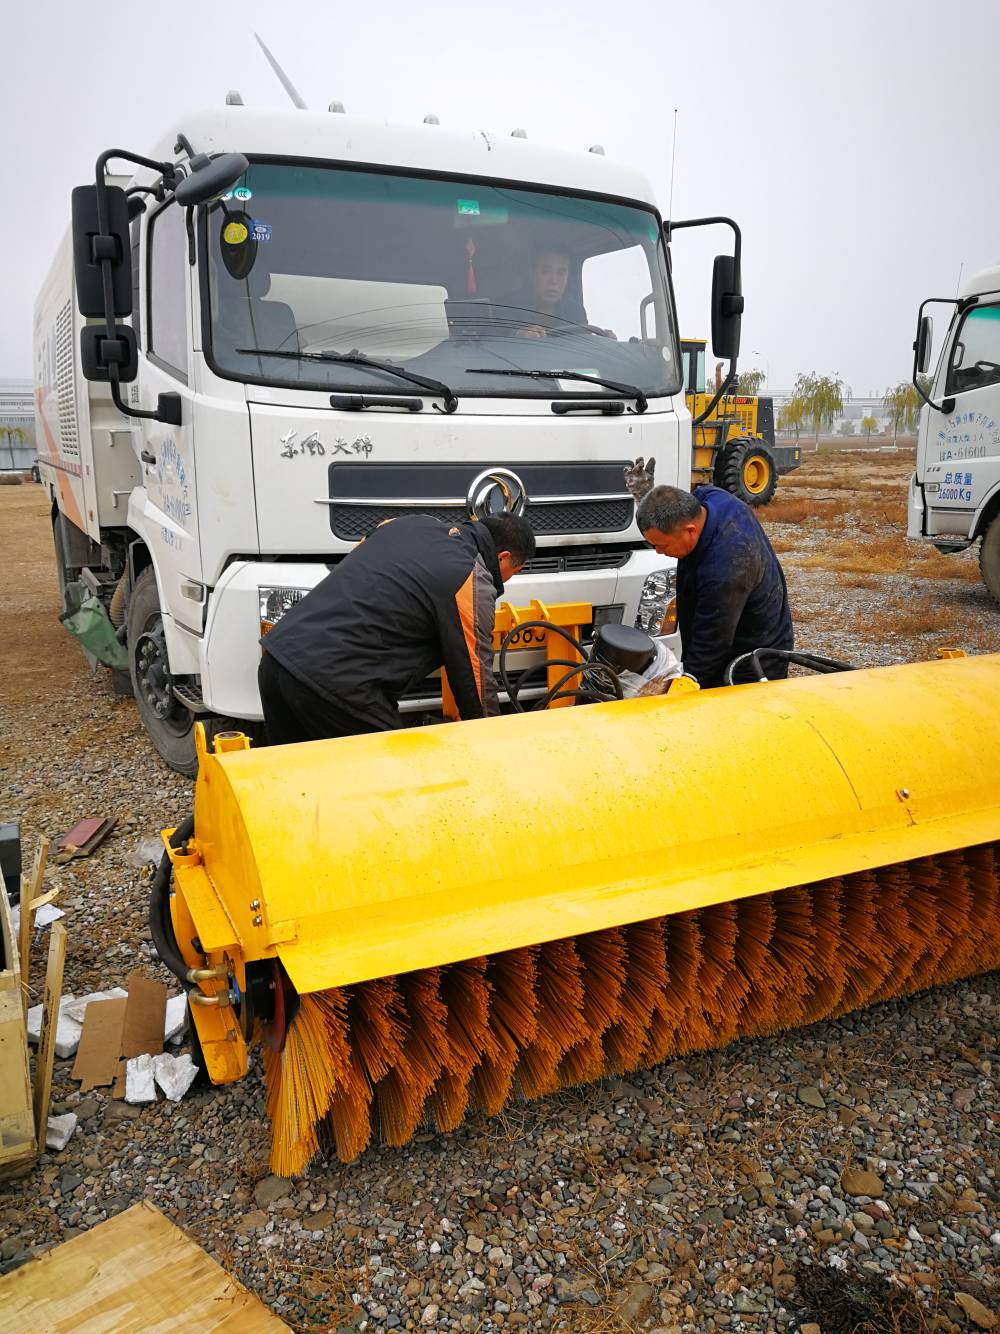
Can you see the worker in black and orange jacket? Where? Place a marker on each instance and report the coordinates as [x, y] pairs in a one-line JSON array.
[[416, 595]]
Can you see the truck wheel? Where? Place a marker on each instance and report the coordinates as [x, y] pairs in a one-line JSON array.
[[170, 725], [989, 557], [749, 470]]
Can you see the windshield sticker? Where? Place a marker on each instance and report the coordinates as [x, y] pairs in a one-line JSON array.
[[234, 233], [261, 231], [243, 192], [469, 207]]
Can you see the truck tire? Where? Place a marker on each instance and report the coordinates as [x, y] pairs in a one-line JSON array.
[[989, 557], [170, 725], [749, 470]]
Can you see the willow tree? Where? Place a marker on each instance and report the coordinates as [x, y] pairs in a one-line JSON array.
[[823, 396], [902, 403], [750, 382]]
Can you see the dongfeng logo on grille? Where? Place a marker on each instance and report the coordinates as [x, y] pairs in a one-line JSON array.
[[496, 491]]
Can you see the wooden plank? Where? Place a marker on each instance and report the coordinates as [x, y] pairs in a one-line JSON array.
[[28, 893], [135, 1274], [50, 1018], [17, 1126]]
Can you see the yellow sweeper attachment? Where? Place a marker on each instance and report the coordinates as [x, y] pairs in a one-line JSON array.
[[425, 923]]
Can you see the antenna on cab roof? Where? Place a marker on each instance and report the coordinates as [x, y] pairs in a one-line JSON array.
[[286, 83]]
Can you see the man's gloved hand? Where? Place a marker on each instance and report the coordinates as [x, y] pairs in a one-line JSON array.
[[639, 478]]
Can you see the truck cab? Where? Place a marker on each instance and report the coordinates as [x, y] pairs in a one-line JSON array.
[[367, 321], [954, 494]]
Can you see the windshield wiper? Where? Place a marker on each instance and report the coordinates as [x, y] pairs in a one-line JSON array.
[[356, 359], [641, 402]]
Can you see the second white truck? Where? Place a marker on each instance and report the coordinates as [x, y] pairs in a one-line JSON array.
[[954, 497]]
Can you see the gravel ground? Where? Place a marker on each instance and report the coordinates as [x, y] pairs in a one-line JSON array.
[[685, 1198]]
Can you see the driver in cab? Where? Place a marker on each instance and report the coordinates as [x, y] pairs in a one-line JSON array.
[[543, 303]]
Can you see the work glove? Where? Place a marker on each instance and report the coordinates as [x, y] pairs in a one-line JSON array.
[[639, 478]]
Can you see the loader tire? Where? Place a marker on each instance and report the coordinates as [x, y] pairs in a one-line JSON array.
[[169, 723], [989, 558], [749, 471]]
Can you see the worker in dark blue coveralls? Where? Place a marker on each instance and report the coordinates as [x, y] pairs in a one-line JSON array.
[[731, 593]]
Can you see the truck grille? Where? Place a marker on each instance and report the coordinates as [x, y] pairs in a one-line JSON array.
[[353, 522], [579, 559], [563, 498]]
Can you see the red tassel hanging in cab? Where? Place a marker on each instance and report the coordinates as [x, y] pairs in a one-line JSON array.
[[470, 282]]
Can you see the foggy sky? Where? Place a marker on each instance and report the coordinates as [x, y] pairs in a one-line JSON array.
[[855, 142]]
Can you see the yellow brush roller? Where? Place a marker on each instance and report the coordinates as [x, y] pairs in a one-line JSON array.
[[434, 921]]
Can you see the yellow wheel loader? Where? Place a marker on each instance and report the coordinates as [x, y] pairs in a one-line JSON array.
[[734, 447]]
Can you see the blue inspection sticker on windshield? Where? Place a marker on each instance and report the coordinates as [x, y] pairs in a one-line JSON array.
[[260, 231], [243, 192], [469, 207]]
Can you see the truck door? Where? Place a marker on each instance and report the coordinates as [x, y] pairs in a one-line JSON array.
[[963, 446], [167, 452]]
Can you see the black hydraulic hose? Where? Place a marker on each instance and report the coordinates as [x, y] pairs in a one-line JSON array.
[[514, 688], [505, 648], [160, 926], [596, 668], [815, 662]]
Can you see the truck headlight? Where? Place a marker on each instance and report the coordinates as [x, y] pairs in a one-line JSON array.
[[274, 602], [657, 591]]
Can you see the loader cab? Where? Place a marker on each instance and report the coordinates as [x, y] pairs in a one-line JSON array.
[[693, 359]]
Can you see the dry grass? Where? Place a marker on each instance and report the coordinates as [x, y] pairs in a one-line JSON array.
[[888, 553], [786, 511]]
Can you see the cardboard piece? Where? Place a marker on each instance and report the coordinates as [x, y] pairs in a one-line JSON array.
[[100, 1046], [145, 1021]]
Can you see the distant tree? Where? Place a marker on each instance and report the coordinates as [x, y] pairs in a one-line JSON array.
[[926, 383], [823, 396], [869, 424], [902, 404], [793, 416], [846, 427], [750, 382], [16, 435]]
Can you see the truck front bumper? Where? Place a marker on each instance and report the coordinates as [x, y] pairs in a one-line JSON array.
[[230, 648]]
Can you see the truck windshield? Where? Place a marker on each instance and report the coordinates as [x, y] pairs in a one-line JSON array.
[[434, 276]]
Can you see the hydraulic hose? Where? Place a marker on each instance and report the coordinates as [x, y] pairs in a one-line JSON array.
[[160, 926], [583, 667], [815, 662]]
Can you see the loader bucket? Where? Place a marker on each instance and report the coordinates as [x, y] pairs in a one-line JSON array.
[[500, 908]]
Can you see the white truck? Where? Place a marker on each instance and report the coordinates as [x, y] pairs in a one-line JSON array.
[[954, 495], [321, 322]]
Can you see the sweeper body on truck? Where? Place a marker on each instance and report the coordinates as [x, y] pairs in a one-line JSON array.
[[291, 326], [954, 497]]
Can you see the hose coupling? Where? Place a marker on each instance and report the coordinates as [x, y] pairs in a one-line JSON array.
[[219, 1000], [217, 972]]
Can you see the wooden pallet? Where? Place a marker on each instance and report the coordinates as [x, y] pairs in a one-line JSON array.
[[134, 1274]]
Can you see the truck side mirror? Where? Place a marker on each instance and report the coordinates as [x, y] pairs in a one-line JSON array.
[[211, 178], [91, 246], [923, 344], [98, 352], [727, 307]]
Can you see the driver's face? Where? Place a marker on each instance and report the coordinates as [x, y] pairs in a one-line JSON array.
[[550, 275]]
